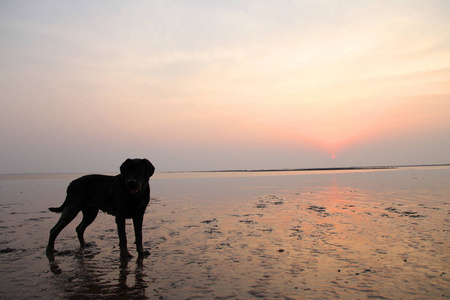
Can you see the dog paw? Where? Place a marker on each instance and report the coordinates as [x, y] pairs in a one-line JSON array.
[[90, 244], [144, 253], [126, 255], [50, 252]]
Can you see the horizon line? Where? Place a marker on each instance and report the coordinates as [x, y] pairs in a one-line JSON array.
[[387, 167], [313, 169]]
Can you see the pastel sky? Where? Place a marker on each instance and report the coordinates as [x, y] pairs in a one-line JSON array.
[[204, 85]]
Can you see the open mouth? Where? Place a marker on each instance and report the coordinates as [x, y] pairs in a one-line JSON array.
[[133, 191]]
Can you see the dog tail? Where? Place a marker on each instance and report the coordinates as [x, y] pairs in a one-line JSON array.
[[57, 209]]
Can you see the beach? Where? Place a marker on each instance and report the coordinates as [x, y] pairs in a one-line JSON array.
[[328, 234]]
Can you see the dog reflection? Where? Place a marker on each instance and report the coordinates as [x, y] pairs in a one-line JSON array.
[[87, 280]]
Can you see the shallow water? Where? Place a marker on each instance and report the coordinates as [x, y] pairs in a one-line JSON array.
[[310, 235]]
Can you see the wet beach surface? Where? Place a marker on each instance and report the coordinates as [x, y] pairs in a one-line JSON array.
[[381, 234]]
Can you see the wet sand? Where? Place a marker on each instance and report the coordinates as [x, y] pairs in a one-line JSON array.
[[353, 234]]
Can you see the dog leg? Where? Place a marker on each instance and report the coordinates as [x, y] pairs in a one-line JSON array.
[[137, 223], [89, 215], [69, 213], [120, 221]]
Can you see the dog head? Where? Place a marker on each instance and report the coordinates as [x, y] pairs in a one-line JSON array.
[[136, 173]]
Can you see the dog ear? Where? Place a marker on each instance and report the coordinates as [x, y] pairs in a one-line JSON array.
[[150, 168], [122, 166]]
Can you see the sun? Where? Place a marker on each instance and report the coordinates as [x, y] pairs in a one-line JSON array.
[[333, 156]]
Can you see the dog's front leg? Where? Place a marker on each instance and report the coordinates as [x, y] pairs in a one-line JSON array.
[[120, 221], [137, 223]]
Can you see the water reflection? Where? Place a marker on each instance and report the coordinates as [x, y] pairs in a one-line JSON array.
[[79, 276]]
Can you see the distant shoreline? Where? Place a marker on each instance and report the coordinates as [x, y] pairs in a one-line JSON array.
[[253, 170], [314, 169]]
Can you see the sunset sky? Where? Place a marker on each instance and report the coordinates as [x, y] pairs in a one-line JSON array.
[[204, 85]]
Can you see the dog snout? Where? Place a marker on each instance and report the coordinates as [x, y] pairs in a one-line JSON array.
[[131, 182]]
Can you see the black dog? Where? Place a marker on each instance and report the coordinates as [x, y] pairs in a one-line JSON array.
[[123, 196]]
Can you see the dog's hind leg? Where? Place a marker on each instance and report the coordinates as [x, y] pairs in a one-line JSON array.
[[69, 213], [89, 215]]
